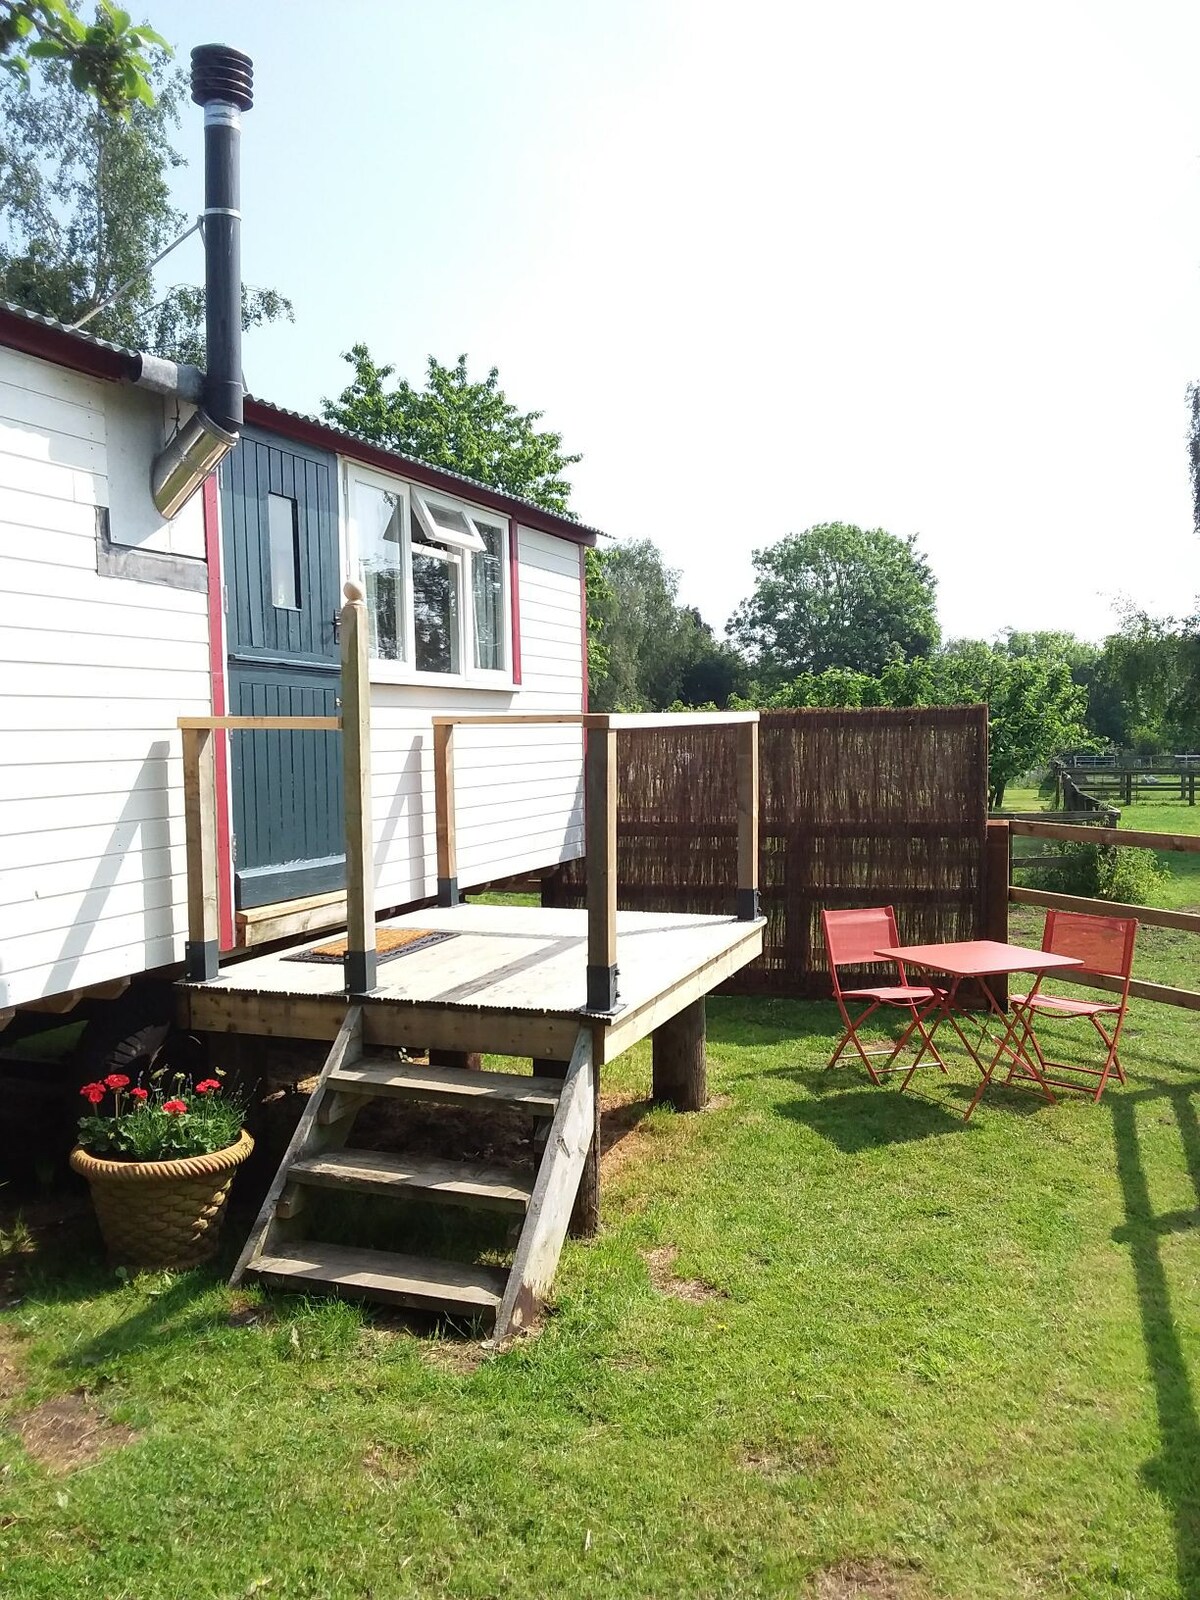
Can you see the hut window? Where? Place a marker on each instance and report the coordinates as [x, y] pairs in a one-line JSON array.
[[284, 538], [435, 573]]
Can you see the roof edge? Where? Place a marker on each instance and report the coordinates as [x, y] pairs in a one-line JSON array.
[[308, 430], [42, 337]]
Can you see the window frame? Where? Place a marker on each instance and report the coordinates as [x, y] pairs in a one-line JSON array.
[[405, 671]]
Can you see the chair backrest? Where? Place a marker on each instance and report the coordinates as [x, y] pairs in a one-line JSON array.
[[1103, 944], [853, 937]]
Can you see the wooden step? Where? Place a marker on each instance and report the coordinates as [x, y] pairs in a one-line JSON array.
[[448, 1085], [380, 1275], [464, 1183]]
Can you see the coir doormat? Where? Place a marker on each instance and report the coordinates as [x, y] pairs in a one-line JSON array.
[[389, 943]]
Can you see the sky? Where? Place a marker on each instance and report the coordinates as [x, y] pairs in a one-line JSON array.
[[928, 267]]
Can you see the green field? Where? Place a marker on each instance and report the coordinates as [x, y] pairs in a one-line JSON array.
[[910, 1358]]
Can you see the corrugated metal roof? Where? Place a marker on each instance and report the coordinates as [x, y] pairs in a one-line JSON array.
[[405, 464]]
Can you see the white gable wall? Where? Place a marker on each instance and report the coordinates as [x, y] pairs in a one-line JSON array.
[[94, 672]]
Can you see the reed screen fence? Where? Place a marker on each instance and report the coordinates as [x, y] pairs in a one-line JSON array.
[[877, 807]]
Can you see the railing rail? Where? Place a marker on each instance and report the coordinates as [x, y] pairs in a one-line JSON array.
[[600, 817], [1000, 843]]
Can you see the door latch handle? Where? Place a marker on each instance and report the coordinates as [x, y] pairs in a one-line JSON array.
[[336, 621]]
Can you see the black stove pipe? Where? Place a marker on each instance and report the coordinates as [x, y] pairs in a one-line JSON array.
[[223, 83]]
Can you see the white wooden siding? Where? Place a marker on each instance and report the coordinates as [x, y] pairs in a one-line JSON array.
[[519, 790], [94, 672]]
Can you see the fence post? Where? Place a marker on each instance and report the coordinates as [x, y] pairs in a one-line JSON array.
[[747, 793], [997, 875], [201, 957], [356, 771], [443, 789], [600, 835]]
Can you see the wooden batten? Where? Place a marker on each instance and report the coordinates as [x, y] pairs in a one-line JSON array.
[[600, 780], [356, 766], [747, 804], [443, 782], [202, 955]]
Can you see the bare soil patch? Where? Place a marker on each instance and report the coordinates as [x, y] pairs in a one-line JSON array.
[[719, 1102], [864, 1580], [620, 1116], [459, 1356], [660, 1263], [247, 1313], [386, 1464], [68, 1433], [787, 1458]]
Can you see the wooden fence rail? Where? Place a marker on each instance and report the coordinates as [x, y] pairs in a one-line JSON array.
[[1149, 916]]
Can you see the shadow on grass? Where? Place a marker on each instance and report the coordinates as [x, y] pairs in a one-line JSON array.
[[1175, 1472], [868, 1119]]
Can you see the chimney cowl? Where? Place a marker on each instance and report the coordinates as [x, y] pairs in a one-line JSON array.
[[221, 73]]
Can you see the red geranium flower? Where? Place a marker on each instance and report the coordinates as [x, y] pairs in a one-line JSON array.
[[139, 1094], [209, 1086], [175, 1108], [93, 1092], [117, 1080]]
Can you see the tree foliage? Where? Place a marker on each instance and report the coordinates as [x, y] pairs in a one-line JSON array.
[[836, 596], [85, 208], [1150, 669], [453, 422], [1035, 708], [656, 652], [109, 58]]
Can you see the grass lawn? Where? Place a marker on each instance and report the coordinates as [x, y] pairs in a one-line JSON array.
[[932, 1359]]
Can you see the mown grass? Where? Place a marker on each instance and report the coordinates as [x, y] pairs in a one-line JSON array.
[[967, 1354]]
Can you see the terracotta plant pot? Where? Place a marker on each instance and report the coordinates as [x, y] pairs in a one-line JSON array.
[[162, 1213]]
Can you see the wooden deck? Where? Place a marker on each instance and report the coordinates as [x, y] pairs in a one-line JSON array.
[[512, 981]]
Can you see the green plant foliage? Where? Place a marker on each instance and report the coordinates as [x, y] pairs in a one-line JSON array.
[[453, 422], [161, 1122], [1106, 872], [656, 652], [85, 208], [836, 596], [109, 58]]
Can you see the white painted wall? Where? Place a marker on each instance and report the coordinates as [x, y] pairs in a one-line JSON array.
[[519, 791], [94, 672]]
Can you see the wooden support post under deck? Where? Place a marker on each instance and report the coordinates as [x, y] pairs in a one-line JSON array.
[[747, 792], [202, 951], [601, 849], [443, 787], [356, 766], [680, 1062]]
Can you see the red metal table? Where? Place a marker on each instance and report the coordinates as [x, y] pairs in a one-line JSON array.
[[979, 959]]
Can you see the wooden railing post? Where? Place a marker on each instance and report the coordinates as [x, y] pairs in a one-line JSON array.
[[356, 768], [600, 783], [443, 789], [202, 949], [997, 876], [747, 793]]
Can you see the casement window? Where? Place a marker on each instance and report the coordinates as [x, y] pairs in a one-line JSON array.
[[435, 572]]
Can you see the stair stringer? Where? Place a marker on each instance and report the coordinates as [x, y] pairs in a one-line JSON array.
[[546, 1221], [311, 1136]]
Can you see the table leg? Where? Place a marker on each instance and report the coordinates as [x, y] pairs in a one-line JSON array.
[[946, 1012], [1016, 1049]]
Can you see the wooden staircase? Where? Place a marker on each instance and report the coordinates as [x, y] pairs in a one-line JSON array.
[[319, 1157]]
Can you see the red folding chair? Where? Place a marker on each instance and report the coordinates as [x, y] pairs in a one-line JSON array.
[[1105, 947], [851, 940]]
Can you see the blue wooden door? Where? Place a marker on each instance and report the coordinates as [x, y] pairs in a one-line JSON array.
[[279, 522]]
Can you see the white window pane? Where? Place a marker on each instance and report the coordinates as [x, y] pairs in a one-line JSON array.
[[435, 614], [378, 520], [284, 541], [445, 524], [487, 586]]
